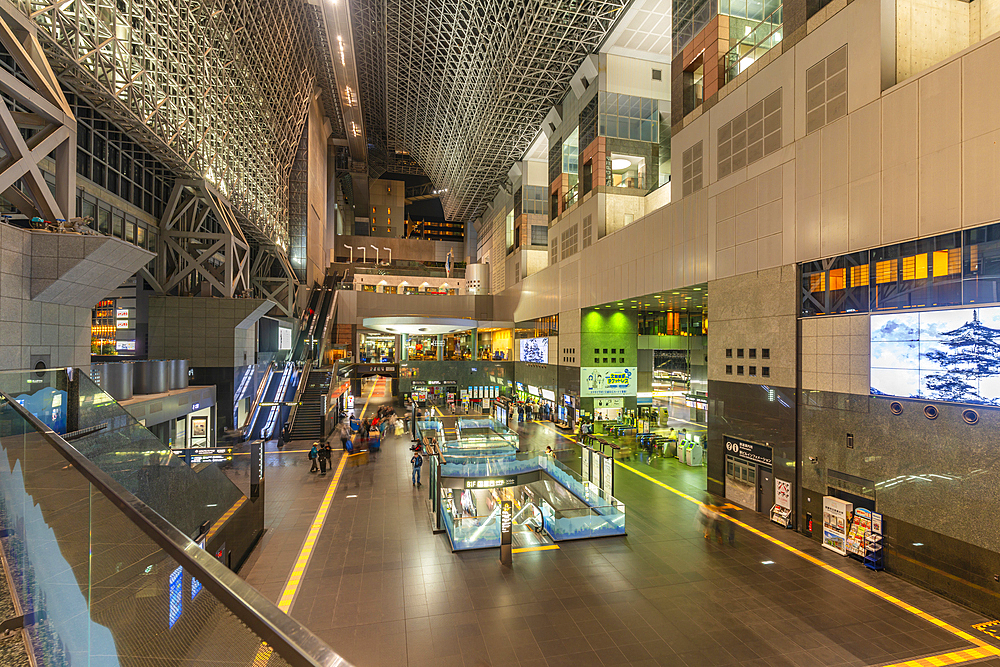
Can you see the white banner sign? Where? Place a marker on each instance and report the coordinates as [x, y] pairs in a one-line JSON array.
[[608, 381]]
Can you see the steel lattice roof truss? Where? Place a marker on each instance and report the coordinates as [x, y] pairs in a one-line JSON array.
[[463, 86], [216, 89]]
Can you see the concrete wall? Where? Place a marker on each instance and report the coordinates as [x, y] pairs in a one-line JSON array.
[[49, 284], [208, 332], [412, 249], [317, 160]]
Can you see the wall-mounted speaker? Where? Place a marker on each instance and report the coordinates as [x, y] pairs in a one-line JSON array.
[[896, 408], [930, 412], [971, 417]]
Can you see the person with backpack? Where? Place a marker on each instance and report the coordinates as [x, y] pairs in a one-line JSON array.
[[417, 461], [313, 456]]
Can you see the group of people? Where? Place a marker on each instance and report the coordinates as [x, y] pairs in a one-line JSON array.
[[320, 456], [530, 411]]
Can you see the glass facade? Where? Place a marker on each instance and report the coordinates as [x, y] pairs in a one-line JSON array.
[[953, 269], [673, 324], [628, 117], [535, 199]]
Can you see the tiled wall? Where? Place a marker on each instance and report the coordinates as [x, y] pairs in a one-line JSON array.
[[754, 312], [836, 354]]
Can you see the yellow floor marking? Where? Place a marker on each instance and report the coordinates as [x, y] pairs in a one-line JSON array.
[[547, 547], [305, 553], [952, 658], [840, 573], [224, 518]]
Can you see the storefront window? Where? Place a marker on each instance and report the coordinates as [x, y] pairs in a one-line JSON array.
[[421, 348], [496, 344], [368, 288], [458, 346], [378, 348], [389, 289]]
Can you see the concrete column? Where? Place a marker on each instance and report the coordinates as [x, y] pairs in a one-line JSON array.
[[475, 344], [440, 347]]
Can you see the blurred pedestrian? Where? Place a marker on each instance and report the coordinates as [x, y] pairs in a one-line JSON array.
[[707, 516]]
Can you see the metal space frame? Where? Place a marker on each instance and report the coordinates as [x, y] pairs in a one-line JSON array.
[[463, 86], [215, 89]]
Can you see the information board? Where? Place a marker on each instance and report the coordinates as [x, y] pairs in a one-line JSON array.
[[608, 478], [835, 524], [506, 531]]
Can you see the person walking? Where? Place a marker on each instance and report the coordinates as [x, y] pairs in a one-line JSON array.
[[313, 456], [417, 461]]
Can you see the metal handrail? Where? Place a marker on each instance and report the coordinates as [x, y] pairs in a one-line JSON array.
[[291, 640], [303, 381], [260, 395], [733, 54], [324, 340]]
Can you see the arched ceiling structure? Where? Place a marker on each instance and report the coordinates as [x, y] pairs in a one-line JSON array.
[[461, 87]]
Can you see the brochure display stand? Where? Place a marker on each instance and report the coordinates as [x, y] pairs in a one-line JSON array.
[[873, 544], [835, 513], [781, 516], [860, 527]]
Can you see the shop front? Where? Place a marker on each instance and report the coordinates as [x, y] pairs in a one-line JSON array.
[[377, 347], [749, 476], [566, 412]]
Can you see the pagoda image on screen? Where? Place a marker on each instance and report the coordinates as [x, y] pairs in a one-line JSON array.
[[535, 350]]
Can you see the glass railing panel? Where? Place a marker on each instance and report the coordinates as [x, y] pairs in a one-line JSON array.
[[124, 449], [100, 590]]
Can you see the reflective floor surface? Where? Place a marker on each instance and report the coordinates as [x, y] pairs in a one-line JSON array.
[[383, 590]]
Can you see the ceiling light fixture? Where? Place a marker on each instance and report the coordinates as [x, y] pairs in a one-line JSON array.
[[618, 164]]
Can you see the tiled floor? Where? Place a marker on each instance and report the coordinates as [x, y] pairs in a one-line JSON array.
[[381, 589]]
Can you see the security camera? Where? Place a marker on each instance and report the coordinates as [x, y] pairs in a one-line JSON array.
[[813, 459]]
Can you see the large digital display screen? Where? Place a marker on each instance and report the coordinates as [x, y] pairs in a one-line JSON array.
[[535, 350], [940, 355], [284, 338]]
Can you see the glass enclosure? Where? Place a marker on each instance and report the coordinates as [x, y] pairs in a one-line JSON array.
[[103, 579]]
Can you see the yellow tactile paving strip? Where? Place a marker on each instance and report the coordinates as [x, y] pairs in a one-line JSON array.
[[981, 649]]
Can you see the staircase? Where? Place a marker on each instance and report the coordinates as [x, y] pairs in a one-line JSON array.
[[309, 416]]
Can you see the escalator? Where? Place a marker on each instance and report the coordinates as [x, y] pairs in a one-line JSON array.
[[315, 319], [275, 402], [310, 413]]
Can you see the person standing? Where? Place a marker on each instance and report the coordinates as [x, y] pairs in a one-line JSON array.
[[313, 456], [417, 461], [323, 459]]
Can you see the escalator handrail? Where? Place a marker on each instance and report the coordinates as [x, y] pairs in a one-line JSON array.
[[303, 381], [326, 326], [291, 640], [259, 397]]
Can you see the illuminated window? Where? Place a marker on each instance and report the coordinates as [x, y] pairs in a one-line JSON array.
[[909, 266], [885, 272], [974, 258], [859, 276], [954, 261], [940, 263], [838, 279], [817, 282]]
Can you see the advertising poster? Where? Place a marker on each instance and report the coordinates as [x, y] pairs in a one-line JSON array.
[[284, 338], [608, 381], [608, 480], [783, 493], [585, 453], [835, 518]]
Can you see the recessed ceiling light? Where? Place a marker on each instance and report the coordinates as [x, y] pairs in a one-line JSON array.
[[676, 292], [696, 289], [767, 562], [352, 496]]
